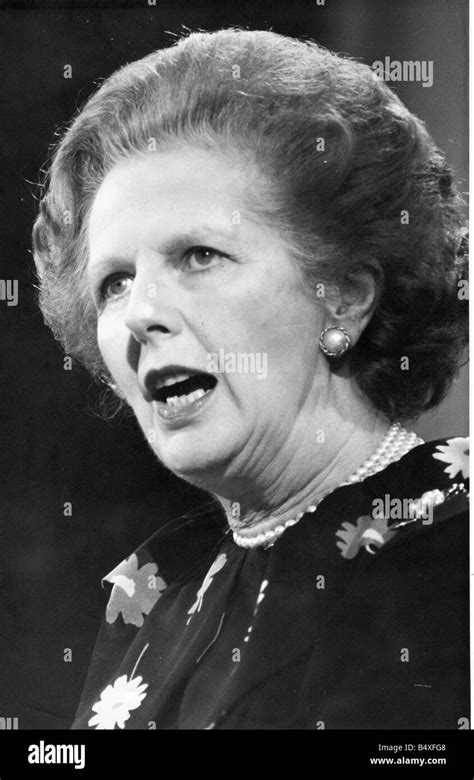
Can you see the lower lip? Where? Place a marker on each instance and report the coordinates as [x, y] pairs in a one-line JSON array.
[[180, 415]]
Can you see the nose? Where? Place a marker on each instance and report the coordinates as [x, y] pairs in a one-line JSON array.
[[151, 307]]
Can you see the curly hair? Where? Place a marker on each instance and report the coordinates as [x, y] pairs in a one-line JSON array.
[[348, 173]]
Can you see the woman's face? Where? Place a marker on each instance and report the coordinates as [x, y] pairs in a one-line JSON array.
[[203, 320]]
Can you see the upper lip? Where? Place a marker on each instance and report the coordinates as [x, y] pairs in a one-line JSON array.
[[155, 377]]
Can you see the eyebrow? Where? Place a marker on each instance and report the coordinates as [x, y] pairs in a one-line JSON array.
[[200, 234], [193, 235]]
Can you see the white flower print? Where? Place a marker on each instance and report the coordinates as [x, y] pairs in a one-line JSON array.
[[218, 564], [366, 533], [118, 700], [260, 597], [135, 592], [456, 454]]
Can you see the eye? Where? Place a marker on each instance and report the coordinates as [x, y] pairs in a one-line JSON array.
[[202, 258], [115, 286]]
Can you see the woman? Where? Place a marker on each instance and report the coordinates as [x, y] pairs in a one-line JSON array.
[[260, 249]]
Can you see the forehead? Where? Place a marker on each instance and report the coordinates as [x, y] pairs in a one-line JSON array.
[[180, 188]]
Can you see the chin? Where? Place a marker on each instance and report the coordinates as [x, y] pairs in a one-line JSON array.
[[193, 459]]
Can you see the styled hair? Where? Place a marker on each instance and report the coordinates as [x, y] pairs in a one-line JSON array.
[[348, 174]]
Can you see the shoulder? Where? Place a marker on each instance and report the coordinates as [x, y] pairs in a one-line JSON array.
[[416, 516], [430, 498], [439, 463], [419, 540], [399, 622]]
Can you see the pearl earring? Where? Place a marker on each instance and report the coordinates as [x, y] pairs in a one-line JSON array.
[[334, 341]]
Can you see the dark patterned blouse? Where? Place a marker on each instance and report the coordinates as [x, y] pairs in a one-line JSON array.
[[357, 617]]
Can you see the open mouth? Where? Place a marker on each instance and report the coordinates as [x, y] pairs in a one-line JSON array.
[[178, 391]]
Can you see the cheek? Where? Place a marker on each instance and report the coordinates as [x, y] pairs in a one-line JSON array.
[[277, 319], [112, 341], [106, 343], [245, 310]]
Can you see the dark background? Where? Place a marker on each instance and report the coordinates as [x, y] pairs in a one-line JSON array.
[[56, 448]]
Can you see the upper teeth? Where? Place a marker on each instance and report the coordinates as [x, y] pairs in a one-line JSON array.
[[171, 379]]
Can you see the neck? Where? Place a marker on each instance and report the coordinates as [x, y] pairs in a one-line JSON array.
[[313, 464]]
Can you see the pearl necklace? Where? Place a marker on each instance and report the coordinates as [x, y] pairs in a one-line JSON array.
[[396, 443]]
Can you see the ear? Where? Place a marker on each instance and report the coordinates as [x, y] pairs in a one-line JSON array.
[[351, 305]]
